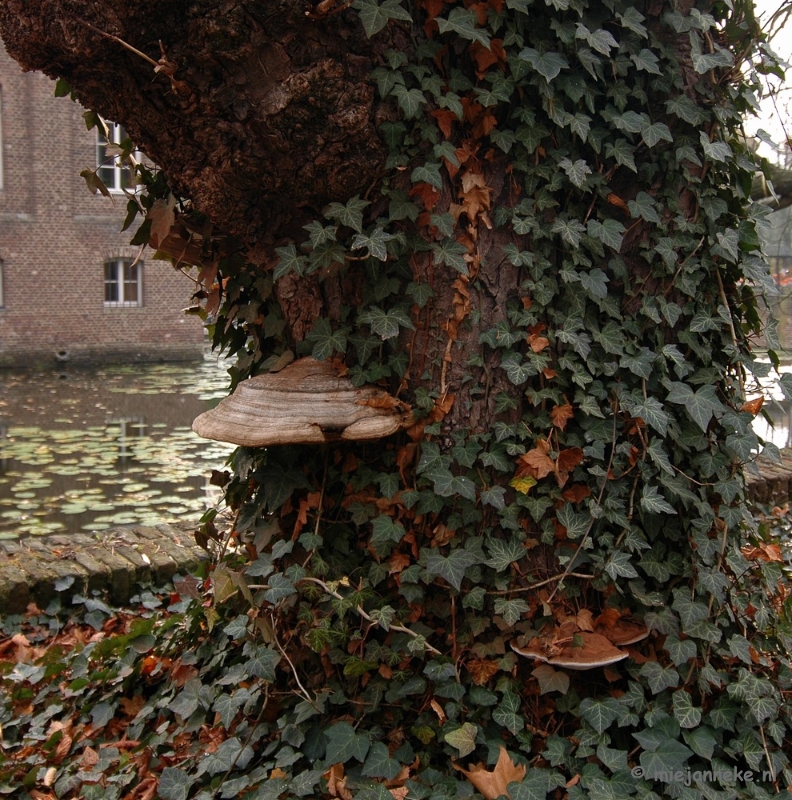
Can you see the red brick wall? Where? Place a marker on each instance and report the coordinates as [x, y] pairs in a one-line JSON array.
[[55, 238]]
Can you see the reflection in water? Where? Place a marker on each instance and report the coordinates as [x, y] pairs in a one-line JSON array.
[[92, 448]]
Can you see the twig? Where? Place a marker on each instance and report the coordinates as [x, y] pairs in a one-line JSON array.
[[120, 41], [560, 576], [367, 617], [583, 541], [293, 669]]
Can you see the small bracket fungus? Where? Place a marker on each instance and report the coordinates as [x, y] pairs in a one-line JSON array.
[[307, 402], [592, 650]]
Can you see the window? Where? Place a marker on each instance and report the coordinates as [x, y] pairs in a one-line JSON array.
[[123, 283], [115, 175]]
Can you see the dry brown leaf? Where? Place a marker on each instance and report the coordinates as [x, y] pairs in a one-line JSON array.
[[400, 792], [131, 705], [536, 462], [753, 406], [336, 782], [277, 773], [585, 620], [560, 415], [438, 709], [482, 670], [493, 784], [162, 218]]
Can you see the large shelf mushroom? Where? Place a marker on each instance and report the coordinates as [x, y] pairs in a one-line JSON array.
[[568, 646], [307, 402]]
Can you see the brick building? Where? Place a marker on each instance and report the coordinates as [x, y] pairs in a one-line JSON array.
[[69, 285]]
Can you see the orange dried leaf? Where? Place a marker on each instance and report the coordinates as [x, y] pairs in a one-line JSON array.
[[753, 406], [493, 784], [538, 343], [445, 119], [560, 415]]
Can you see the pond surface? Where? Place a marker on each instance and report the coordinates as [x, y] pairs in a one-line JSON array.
[[88, 449]]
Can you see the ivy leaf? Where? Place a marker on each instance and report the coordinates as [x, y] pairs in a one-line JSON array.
[[658, 677], [507, 713], [452, 567], [685, 713], [599, 713], [657, 132], [570, 229], [344, 743], [464, 22], [548, 65], [609, 232], [619, 565], [646, 60], [502, 553], [632, 19], [495, 497], [375, 241], [651, 412], [231, 753], [375, 17], [701, 741], [654, 503], [428, 172], [386, 324], [595, 282], [551, 680], [510, 610], [174, 784], [463, 738], [576, 171], [289, 262], [600, 40], [644, 206], [668, 758], [715, 151], [410, 100], [349, 214], [280, 587], [452, 253], [379, 764]]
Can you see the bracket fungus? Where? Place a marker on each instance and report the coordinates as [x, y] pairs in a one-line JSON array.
[[307, 402], [569, 646]]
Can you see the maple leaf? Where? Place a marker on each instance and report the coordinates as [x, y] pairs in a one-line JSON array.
[[475, 194], [493, 784], [428, 194], [538, 343], [567, 460], [560, 415]]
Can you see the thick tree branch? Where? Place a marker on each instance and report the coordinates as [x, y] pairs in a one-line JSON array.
[[255, 110]]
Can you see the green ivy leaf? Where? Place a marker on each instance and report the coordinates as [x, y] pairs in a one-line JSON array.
[[715, 151], [375, 17], [510, 610], [507, 713], [548, 65], [379, 764], [410, 100], [600, 713], [632, 19], [576, 171], [452, 567], [463, 738], [685, 713], [386, 324], [608, 231], [174, 784], [646, 60], [659, 678], [464, 22], [428, 172], [551, 680], [349, 214], [344, 743], [654, 503]]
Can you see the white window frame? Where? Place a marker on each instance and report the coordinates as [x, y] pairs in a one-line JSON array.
[[115, 275], [116, 176]]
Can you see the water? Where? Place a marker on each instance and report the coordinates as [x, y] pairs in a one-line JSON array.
[[89, 449]]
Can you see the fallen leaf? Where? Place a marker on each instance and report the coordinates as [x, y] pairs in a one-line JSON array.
[[493, 784], [336, 782], [536, 462]]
